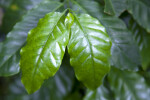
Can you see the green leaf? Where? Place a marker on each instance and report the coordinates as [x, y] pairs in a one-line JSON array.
[[146, 75], [0, 46], [15, 12], [89, 50], [128, 85], [125, 54], [101, 93], [69, 20], [115, 7], [109, 7], [17, 37], [43, 53], [140, 10], [142, 38], [55, 88]]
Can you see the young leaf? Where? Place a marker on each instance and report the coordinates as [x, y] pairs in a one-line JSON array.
[[17, 37], [69, 20], [128, 85], [140, 10], [125, 54], [89, 50], [43, 53]]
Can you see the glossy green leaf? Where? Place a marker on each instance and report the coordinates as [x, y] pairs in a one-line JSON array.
[[128, 85], [43, 53], [17, 37], [55, 88], [89, 50], [142, 38], [15, 12], [109, 9], [140, 10], [125, 54]]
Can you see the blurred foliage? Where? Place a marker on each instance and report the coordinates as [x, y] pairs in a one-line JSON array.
[[127, 23], [15, 11]]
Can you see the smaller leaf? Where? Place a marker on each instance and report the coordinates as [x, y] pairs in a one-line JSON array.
[[89, 50], [43, 53]]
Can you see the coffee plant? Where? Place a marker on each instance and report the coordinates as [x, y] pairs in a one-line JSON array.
[[75, 50]]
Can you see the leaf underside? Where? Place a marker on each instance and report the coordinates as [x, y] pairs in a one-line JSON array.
[[43, 53], [89, 50]]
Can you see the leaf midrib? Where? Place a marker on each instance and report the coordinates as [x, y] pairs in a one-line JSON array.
[[90, 45], [43, 48]]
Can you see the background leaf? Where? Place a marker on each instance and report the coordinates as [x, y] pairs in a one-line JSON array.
[[125, 54], [5, 3], [118, 6], [89, 49], [140, 10], [42, 55], [142, 38], [128, 85], [17, 37], [109, 7], [15, 12], [101, 93], [57, 87]]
